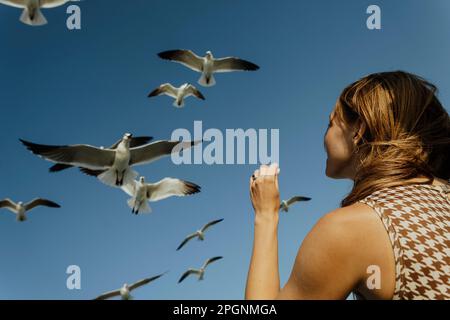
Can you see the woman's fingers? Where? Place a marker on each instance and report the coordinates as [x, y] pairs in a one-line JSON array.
[[273, 169]]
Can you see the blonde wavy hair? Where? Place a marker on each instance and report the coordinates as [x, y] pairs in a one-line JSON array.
[[404, 131]]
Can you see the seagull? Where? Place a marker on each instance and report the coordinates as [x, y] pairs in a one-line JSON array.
[[114, 164], [179, 94], [285, 204], [20, 208], [200, 272], [199, 233], [142, 192], [207, 65], [31, 14], [134, 142], [125, 291]]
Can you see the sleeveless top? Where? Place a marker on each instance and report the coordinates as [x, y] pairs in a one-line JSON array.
[[417, 220]]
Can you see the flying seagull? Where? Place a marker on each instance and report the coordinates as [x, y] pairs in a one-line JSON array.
[[31, 13], [179, 94], [114, 164], [285, 204], [199, 233], [207, 65], [134, 142], [125, 291], [20, 209], [142, 192], [200, 272]]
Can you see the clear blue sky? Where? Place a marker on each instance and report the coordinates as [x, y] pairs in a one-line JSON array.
[[90, 86]]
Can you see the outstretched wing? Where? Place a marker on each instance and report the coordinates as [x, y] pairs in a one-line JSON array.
[[130, 188], [296, 199], [211, 260], [80, 155], [233, 64], [14, 3], [108, 295], [156, 150], [48, 4], [169, 187], [144, 281], [186, 240], [185, 57], [209, 224], [8, 204], [193, 91], [165, 88], [41, 202], [187, 273]]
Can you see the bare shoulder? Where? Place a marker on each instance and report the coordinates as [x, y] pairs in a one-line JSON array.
[[335, 255], [358, 233]]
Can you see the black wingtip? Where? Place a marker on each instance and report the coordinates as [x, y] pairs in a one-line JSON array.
[[154, 93], [192, 188], [167, 54]]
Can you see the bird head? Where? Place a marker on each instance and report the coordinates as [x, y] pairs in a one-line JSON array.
[[127, 136], [209, 54], [142, 179], [20, 203]]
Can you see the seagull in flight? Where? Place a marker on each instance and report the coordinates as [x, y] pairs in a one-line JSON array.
[[200, 234], [285, 204], [20, 209], [125, 291], [134, 142], [207, 65], [199, 272], [142, 192], [114, 164], [31, 14], [179, 94]]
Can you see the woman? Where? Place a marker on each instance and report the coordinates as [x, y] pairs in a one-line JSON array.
[[390, 238]]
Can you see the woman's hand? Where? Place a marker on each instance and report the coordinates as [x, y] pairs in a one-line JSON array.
[[264, 191]]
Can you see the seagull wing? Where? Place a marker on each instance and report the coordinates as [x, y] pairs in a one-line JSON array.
[[193, 91], [233, 64], [209, 224], [134, 142], [185, 57], [8, 204], [155, 150], [144, 281], [48, 4], [187, 273], [210, 261], [296, 199], [169, 187], [166, 89], [59, 167], [80, 155], [186, 240], [14, 3], [130, 188], [41, 202], [108, 295]]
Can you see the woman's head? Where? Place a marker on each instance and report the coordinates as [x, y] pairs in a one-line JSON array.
[[387, 128]]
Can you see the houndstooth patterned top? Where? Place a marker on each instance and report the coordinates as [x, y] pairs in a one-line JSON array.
[[417, 219]]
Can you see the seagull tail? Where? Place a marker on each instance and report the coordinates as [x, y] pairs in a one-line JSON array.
[[108, 177], [178, 103], [36, 19], [143, 206], [207, 81]]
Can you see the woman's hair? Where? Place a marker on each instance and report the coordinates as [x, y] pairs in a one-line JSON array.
[[405, 131]]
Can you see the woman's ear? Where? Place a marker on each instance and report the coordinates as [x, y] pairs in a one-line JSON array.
[[359, 130]]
